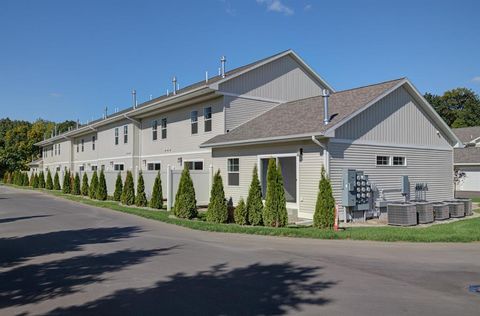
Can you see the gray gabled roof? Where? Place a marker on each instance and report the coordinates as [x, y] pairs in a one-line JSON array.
[[467, 134], [302, 117], [467, 155]]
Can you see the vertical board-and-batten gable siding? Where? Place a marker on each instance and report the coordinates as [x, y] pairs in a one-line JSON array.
[[395, 119], [309, 169], [240, 110], [282, 79]]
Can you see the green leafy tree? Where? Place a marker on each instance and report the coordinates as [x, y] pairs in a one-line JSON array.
[[117, 195], [141, 197], [241, 214], [254, 205], [56, 182], [217, 208], [76, 185], [185, 201], [41, 180], [85, 186], [67, 184], [275, 211], [157, 195], [128, 193], [25, 179], [49, 183], [35, 181], [92, 190], [324, 216], [5, 177]]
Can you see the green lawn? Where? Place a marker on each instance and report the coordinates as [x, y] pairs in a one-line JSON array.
[[476, 199], [460, 231]]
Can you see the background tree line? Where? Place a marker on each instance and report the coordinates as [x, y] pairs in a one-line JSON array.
[[458, 107], [17, 139]]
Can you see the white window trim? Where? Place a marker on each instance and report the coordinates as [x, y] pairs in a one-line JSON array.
[[390, 161], [119, 164], [163, 128], [125, 133], [234, 186], [259, 170], [210, 119], [154, 126], [194, 160], [91, 167], [153, 162], [191, 123], [116, 138], [404, 160]]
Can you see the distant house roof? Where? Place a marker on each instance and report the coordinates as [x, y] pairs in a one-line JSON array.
[[302, 117], [467, 134], [467, 155], [35, 162]]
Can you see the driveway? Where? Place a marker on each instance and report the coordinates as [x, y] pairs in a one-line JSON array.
[[64, 258]]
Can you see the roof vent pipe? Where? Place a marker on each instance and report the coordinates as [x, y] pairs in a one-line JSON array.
[[134, 98], [326, 116], [174, 83], [223, 60], [206, 76], [105, 113]]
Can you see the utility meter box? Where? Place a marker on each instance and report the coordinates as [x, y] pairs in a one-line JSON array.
[[356, 191], [348, 191]]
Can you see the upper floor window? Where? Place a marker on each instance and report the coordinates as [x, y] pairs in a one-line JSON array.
[[125, 134], [59, 149], [194, 164], [207, 116], [83, 145], [51, 149], [154, 129], [55, 149], [116, 136], [78, 146], [164, 128], [194, 122], [93, 142]]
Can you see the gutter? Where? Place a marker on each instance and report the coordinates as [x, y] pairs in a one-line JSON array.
[[326, 154]]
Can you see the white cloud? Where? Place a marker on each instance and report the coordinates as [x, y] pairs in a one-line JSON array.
[[55, 94], [476, 79], [276, 6], [228, 7], [307, 7]]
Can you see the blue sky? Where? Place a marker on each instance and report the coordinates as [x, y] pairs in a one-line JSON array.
[[69, 59]]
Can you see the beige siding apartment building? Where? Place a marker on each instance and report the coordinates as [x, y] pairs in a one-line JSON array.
[[277, 108]]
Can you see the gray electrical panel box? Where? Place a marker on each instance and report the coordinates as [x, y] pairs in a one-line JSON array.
[[357, 190]]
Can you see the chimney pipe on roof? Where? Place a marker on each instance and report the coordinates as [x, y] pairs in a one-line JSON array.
[[223, 60], [174, 82], [78, 123], [134, 98], [326, 116], [105, 112]]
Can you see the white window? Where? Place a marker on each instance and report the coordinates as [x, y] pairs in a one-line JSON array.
[[58, 169], [59, 149], [94, 167], [125, 134], [118, 167], [83, 145], [78, 146], [164, 128], [154, 129], [194, 164], [399, 161], [233, 170], [116, 136], [51, 149], [81, 168], [207, 117], [153, 166], [194, 122], [93, 142], [383, 160]]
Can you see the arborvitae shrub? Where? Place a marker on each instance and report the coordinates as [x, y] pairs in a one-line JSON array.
[[32, 175], [254, 204], [324, 216], [241, 215], [66, 187], [217, 208], [25, 180], [275, 211], [92, 190], [76, 185], [156, 200], [35, 181], [117, 195], [141, 197], [49, 183], [56, 182], [128, 193], [185, 201], [85, 185], [101, 193], [41, 180], [5, 177]]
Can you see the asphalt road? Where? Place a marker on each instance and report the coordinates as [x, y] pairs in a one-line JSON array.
[[64, 258]]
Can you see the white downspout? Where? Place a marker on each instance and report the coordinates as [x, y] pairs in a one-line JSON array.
[[326, 155]]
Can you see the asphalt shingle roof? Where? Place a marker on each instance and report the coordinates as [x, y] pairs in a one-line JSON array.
[[467, 134], [466, 155], [304, 116]]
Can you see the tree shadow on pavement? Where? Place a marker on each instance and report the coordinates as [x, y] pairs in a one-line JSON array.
[[15, 250], [257, 289], [43, 281], [14, 219]]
